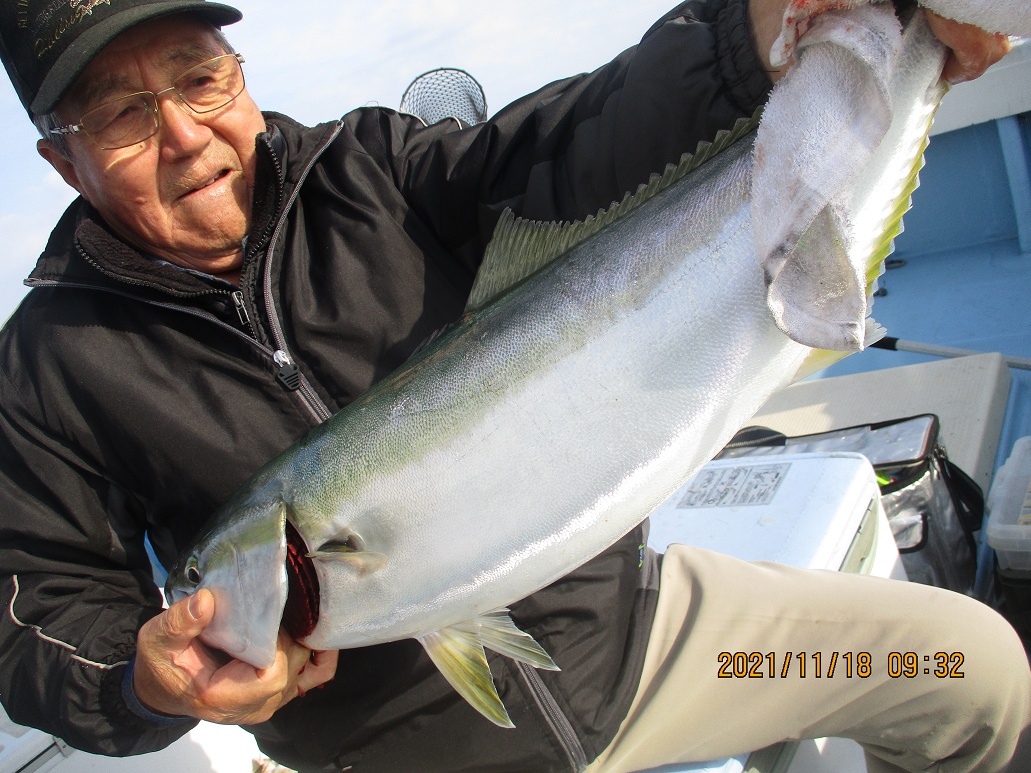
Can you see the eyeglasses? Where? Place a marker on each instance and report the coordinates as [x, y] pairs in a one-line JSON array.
[[135, 117]]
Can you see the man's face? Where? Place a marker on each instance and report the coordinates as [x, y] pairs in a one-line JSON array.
[[184, 194]]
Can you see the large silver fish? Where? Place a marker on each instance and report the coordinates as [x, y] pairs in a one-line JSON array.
[[599, 366]]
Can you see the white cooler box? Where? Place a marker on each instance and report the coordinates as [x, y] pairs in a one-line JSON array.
[[816, 511]]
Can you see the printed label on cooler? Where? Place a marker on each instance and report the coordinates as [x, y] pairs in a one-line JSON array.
[[734, 486]]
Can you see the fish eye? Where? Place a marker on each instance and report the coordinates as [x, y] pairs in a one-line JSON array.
[[192, 572]]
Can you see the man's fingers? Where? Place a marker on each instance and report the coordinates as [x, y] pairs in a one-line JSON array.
[[169, 659], [237, 693], [177, 675], [257, 692], [298, 656], [973, 50], [321, 668], [766, 20], [183, 622]]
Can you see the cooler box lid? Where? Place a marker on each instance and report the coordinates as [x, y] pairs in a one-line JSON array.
[[803, 510]]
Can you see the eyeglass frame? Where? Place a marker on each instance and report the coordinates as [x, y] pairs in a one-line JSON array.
[[69, 129]]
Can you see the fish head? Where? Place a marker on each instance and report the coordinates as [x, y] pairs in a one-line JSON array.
[[241, 559]]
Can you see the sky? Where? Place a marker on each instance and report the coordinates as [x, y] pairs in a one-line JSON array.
[[317, 59]]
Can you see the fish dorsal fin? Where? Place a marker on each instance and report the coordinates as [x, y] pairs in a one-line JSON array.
[[458, 653], [499, 633], [520, 248]]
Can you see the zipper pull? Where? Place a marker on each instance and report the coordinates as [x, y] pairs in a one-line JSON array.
[[289, 375], [241, 309]]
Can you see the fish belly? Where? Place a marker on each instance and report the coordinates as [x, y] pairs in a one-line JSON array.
[[550, 424]]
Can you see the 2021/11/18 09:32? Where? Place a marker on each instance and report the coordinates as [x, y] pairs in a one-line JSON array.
[[756, 665]]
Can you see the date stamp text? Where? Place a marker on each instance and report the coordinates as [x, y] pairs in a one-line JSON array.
[[848, 665]]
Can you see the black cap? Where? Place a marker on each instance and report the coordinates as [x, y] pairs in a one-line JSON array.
[[46, 44]]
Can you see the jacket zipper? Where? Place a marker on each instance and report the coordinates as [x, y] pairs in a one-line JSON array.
[[556, 719], [289, 374], [264, 350], [241, 309], [280, 177]]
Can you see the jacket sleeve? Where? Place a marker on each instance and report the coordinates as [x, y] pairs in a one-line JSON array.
[[579, 144], [75, 584]]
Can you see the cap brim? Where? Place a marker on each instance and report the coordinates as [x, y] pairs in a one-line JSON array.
[[76, 58]]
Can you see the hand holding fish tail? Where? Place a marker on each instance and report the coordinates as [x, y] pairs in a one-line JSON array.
[[176, 674], [767, 20], [972, 50]]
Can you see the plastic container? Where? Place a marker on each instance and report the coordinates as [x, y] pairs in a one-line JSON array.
[[1013, 601], [1009, 510]]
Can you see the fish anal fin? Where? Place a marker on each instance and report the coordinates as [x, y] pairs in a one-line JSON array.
[[520, 248], [459, 655], [499, 633]]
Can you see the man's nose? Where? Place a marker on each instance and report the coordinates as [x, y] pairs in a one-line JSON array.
[[182, 131]]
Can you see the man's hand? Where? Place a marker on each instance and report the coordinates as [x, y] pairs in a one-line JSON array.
[[175, 673], [971, 49]]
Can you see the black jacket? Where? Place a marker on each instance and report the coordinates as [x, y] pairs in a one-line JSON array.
[[136, 397]]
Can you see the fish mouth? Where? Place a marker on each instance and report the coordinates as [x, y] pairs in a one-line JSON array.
[[301, 613]]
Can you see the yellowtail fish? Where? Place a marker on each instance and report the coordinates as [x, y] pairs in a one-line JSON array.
[[600, 364]]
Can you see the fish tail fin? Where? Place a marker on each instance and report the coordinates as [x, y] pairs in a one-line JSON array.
[[458, 652], [890, 226], [882, 248]]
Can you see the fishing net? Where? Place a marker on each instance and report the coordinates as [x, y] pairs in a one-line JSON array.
[[445, 93]]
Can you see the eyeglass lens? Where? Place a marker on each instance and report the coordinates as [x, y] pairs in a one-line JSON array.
[[134, 117]]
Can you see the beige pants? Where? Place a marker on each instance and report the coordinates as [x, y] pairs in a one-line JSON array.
[[711, 604]]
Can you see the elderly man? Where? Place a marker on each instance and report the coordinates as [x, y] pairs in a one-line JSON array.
[[228, 279]]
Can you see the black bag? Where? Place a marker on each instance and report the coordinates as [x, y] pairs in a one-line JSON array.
[[933, 507]]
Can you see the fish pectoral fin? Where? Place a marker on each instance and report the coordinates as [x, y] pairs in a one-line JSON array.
[[458, 653], [499, 633], [362, 561]]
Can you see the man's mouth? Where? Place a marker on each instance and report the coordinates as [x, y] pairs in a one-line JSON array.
[[209, 182]]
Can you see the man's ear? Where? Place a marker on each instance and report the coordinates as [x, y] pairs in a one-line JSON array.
[[63, 165]]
